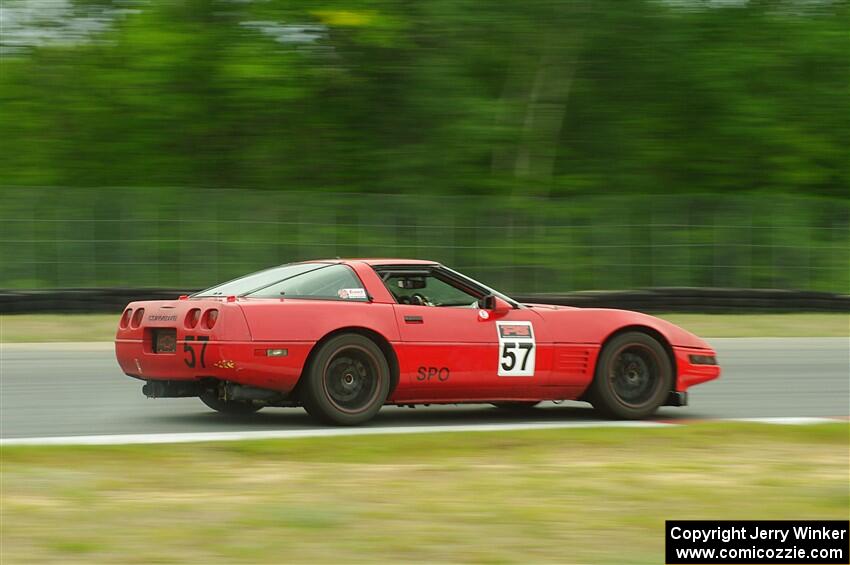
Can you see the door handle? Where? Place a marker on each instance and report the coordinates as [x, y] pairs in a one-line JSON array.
[[413, 320]]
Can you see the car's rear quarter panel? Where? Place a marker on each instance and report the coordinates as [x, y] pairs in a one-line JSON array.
[[298, 325]]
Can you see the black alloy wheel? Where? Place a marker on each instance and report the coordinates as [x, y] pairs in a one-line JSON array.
[[347, 381], [351, 379], [634, 375]]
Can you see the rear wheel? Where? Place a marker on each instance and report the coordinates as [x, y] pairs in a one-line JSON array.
[[235, 407], [347, 381], [633, 377]]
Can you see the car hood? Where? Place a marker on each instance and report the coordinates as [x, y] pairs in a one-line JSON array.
[[594, 325]]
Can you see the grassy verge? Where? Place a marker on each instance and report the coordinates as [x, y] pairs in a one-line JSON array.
[[24, 328], [577, 496], [764, 325], [101, 327]]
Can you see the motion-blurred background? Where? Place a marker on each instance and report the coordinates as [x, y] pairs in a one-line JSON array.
[[539, 146], [542, 146]]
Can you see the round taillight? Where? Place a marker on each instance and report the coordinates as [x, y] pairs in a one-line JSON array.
[[210, 318], [125, 318], [192, 318], [137, 318]]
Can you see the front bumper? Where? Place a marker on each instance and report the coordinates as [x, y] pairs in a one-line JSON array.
[[690, 373]]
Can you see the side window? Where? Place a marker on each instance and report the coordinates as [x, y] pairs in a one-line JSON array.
[[335, 282], [427, 290]]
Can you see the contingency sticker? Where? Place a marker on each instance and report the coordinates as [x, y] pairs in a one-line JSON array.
[[352, 293], [517, 349]]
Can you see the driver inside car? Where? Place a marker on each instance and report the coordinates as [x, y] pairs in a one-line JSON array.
[[427, 290], [415, 298]]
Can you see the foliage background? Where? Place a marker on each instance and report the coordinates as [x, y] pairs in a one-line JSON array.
[[541, 145]]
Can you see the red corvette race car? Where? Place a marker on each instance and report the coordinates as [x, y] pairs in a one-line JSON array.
[[344, 337]]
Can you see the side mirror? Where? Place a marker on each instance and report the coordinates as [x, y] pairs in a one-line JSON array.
[[494, 304]]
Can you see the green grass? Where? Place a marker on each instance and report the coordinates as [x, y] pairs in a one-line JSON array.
[[101, 327], [545, 496], [807, 324], [25, 328]]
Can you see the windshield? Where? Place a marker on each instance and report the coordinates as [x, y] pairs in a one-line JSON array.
[[256, 281]]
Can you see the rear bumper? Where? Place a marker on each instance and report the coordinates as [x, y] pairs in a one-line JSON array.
[[690, 373], [240, 362]]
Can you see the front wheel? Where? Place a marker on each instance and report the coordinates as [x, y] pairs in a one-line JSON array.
[[347, 381], [233, 407], [633, 377]]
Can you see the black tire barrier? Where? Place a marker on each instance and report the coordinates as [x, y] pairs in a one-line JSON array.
[[79, 300], [700, 300], [697, 300]]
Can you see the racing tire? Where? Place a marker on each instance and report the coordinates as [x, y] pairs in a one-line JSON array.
[[516, 406], [232, 407], [633, 377], [347, 381]]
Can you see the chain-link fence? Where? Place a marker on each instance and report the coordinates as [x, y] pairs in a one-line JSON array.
[[169, 237]]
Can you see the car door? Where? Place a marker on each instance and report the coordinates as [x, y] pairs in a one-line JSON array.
[[452, 349]]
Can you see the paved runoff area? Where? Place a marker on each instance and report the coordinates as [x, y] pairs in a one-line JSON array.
[[76, 394]]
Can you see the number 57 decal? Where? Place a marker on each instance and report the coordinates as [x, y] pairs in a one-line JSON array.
[[517, 349], [191, 360]]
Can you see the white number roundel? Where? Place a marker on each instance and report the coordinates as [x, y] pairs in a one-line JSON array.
[[517, 349]]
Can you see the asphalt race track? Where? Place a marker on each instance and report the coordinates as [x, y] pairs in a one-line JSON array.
[[49, 390]]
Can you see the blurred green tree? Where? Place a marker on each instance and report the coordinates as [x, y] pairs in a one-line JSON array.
[[618, 143], [480, 96]]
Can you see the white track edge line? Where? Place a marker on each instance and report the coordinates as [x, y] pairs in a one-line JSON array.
[[125, 439], [189, 437], [787, 421]]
